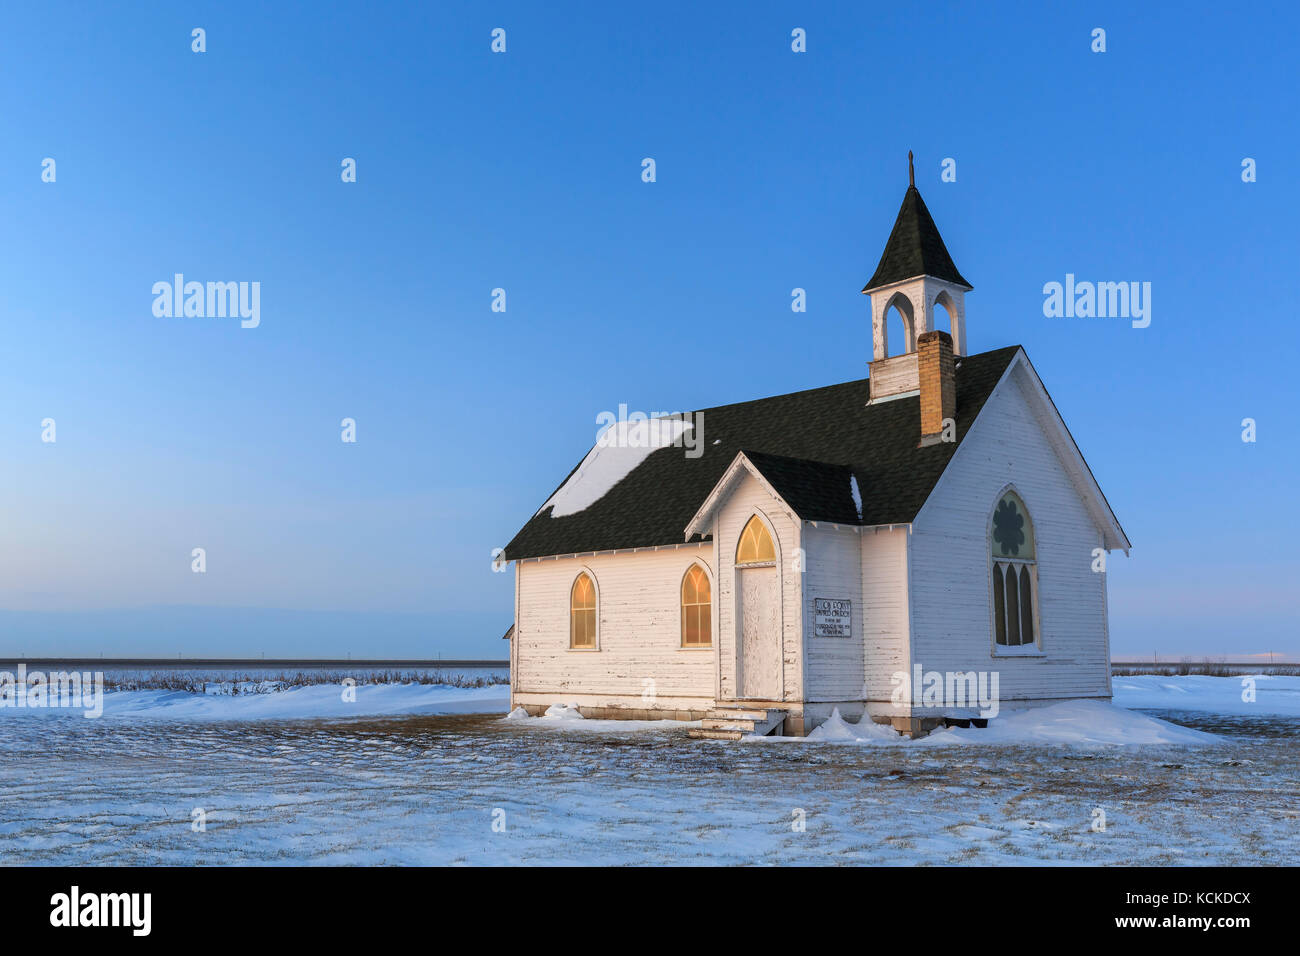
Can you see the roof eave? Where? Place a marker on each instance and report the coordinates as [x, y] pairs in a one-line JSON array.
[[718, 494], [874, 286], [1113, 532], [1113, 535]]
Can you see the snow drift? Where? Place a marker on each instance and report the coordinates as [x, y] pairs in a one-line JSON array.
[[1077, 722], [1273, 696]]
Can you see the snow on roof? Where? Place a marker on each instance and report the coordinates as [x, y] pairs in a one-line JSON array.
[[654, 503], [617, 453]]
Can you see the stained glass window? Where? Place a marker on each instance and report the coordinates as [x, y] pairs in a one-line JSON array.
[[697, 621], [1013, 533], [582, 612], [755, 544], [999, 604], [1014, 581]]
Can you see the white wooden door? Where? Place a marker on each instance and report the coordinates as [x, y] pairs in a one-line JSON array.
[[760, 628]]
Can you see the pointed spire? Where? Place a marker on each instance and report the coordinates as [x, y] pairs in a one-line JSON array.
[[915, 247]]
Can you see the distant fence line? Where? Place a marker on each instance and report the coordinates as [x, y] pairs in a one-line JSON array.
[[1175, 661], [1189, 668]]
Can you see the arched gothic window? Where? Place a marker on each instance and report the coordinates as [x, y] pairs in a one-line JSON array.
[[697, 604], [755, 544], [1015, 574], [582, 613]]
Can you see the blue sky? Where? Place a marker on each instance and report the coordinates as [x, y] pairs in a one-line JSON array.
[[522, 171]]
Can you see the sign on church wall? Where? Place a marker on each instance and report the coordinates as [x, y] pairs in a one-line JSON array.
[[832, 618]]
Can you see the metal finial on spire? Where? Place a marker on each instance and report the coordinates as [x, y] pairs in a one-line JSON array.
[[911, 173]]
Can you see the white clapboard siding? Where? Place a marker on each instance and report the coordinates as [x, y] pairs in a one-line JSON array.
[[639, 630], [747, 498], [834, 668], [886, 628], [949, 566], [920, 593], [893, 376]]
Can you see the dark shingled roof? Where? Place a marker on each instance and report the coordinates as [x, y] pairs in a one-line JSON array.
[[824, 427], [816, 490], [915, 248]]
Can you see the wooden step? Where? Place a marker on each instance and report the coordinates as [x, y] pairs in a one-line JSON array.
[[727, 723], [704, 733], [746, 703], [771, 722], [732, 723], [738, 713]]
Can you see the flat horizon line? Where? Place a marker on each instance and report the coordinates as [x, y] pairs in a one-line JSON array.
[[1257, 661], [469, 662], [263, 661]]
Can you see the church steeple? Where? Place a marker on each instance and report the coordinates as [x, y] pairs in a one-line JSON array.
[[914, 273], [915, 248]]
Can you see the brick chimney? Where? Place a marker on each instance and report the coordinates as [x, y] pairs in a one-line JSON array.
[[938, 383]]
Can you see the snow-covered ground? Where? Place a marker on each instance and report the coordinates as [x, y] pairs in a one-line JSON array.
[[568, 717], [1079, 723], [292, 703], [1273, 696], [410, 775]]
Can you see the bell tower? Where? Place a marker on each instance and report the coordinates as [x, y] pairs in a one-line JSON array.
[[915, 274]]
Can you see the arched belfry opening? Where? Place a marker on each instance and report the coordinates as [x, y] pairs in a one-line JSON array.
[[916, 286], [899, 327], [942, 311]]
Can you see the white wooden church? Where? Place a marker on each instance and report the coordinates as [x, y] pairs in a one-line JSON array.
[[936, 516]]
